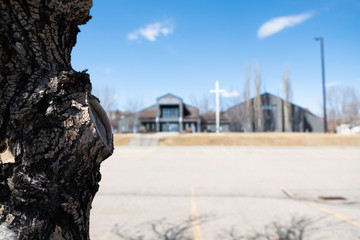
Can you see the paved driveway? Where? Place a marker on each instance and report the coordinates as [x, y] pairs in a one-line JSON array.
[[228, 193]]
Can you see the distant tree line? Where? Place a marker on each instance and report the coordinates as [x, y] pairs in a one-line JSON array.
[[343, 106]]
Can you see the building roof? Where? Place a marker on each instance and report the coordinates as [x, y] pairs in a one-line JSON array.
[[149, 112], [169, 95], [190, 112], [267, 94], [210, 116]]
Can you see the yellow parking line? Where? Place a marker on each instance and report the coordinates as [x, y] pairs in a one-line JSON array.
[[289, 194], [335, 214], [194, 217], [147, 152], [323, 209], [227, 153]]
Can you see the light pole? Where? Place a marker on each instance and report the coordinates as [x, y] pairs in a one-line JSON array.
[[323, 79]]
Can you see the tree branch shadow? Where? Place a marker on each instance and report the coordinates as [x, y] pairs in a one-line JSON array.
[[160, 229], [295, 230]]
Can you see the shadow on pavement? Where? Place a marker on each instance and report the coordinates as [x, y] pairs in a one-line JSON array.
[[161, 229], [295, 230]]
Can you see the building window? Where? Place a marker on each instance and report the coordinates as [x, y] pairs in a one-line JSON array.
[[169, 127], [149, 126], [268, 107], [170, 112], [191, 125]]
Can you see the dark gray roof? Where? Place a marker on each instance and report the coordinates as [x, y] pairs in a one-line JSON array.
[[210, 116], [267, 94], [149, 112], [169, 94], [191, 112]]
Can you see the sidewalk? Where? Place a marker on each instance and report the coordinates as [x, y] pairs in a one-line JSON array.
[[152, 139]]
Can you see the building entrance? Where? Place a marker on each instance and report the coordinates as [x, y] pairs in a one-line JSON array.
[[169, 127]]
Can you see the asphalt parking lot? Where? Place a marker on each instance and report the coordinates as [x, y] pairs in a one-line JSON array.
[[228, 193]]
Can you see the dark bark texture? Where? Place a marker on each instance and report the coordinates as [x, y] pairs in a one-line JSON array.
[[53, 129]]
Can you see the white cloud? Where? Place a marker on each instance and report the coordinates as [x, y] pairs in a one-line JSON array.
[[332, 84], [132, 36], [278, 24], [152, 31], [231, 94]]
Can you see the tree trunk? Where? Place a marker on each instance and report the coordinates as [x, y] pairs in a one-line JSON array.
[[248, 112], [53, 132], [257, 101], [287, 104]]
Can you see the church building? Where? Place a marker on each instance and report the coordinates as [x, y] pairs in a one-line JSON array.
[[265, 113], [169, 114], [269, 113]]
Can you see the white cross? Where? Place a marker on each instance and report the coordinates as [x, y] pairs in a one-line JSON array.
[[217, 92]]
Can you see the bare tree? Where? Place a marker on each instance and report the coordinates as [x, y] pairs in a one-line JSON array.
[[194, 101], [134, 105], [350, 106], [108, 98], [202, 103], [257, 99], [287, 104], [229, 99], [54, 128], [234, 112], [334, 108], [343, 106], [248, 110]]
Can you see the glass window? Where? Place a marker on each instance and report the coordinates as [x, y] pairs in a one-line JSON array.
[[170, 112], [169, 127]]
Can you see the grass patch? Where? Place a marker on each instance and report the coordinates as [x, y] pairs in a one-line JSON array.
[[260, 139], [122, 139]]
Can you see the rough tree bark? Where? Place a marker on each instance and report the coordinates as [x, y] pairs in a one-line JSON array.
[[53, 132]]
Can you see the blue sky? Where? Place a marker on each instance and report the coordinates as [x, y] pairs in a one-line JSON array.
[[141, 49]]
